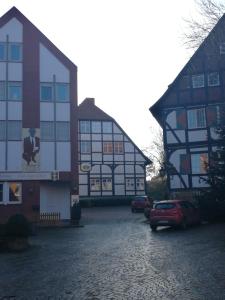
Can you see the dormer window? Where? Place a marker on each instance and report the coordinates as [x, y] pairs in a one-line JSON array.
[[213, 79], [198, 81]]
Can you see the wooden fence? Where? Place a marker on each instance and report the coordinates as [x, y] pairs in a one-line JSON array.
[[49, 219]]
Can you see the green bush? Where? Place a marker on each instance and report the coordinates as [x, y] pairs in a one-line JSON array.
[[17, 226]]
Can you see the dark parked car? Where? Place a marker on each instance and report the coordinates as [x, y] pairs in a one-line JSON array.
[[139, 203], [174, 213]]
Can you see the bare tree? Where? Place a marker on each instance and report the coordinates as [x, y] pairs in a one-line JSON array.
[[208, 14], [155, 152]]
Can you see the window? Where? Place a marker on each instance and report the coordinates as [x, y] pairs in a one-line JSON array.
[[1, 192], [2, 91], [199, 163], [107, 147], [10, 193], [165, 206], [184, 82], [213, 79], [14, 130], [85, 147], [95, 184], [198, 81], [47, 131], [62, 92], [85, 127], [107, 127], [15, 190], [118, 147], [106, 184], [46, 92], [222, 48], [62, 131], [2, 130], [130, 183], [2, 51], [14, 91], [96, 127], [140, 184], [196, 118], [15, 52]]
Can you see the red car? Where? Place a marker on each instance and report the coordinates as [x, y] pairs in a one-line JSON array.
[[174, 213], [139, 203]]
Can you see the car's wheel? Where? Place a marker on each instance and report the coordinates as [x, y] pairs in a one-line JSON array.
[[184, 224], [153, 228]]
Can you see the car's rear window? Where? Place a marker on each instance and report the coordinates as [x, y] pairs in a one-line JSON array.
[[139, 199], [165, 206]]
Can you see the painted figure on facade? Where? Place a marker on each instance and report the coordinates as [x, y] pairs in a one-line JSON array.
[[31, 146]]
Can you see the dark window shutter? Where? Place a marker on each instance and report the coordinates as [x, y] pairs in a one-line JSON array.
[[211, 112], [185, 166], [181, 119]]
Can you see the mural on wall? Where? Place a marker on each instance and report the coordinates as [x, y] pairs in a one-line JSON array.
[[31, 149]]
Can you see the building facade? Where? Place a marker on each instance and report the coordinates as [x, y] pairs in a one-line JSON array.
[[189, 111], [38, 122], [110, 164], [39, 135]]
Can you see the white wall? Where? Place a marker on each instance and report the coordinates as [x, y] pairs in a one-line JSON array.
[[14, 29], [55, 197]]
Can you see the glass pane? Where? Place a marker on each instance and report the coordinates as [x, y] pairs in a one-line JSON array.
[[106, 184], [213, 79], [47, 131], [62, 131], [2, 91], [14, 130], [14, 91], [1, 192], [2, 51], [2, 130], [46, 93], [201, 118], [107, 127], [198, 81], [95, 184], [85, 147], [85, 126], [96, 127], [62, 92], [15, 52], [15, 192]]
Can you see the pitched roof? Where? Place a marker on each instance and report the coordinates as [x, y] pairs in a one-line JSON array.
[[155, 109], [87, 110]]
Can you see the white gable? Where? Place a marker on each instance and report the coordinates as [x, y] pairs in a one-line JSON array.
[[14, 29], [50, 65]]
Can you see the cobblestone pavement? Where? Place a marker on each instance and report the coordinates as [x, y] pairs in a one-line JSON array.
[[115, 256]]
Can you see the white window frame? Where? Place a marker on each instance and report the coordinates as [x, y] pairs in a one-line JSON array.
[[118, 147], [95, 184], [107, 147], [19, 86], [85, 126], [130, 184], [193, 121], [198, 81], [222, 48], [85, 147], [6, 190], [107, 184], [213, 79], [197, 163], [140, 184]]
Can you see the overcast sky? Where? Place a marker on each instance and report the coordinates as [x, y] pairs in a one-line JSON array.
[[127, 51]]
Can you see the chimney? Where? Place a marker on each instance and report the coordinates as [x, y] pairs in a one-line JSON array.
[[90, 100]]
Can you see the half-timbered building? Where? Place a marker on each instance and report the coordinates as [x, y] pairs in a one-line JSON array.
[[110, 164], [189, 111]]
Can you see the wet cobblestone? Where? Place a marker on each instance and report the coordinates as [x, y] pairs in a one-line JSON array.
[[115, 256]]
